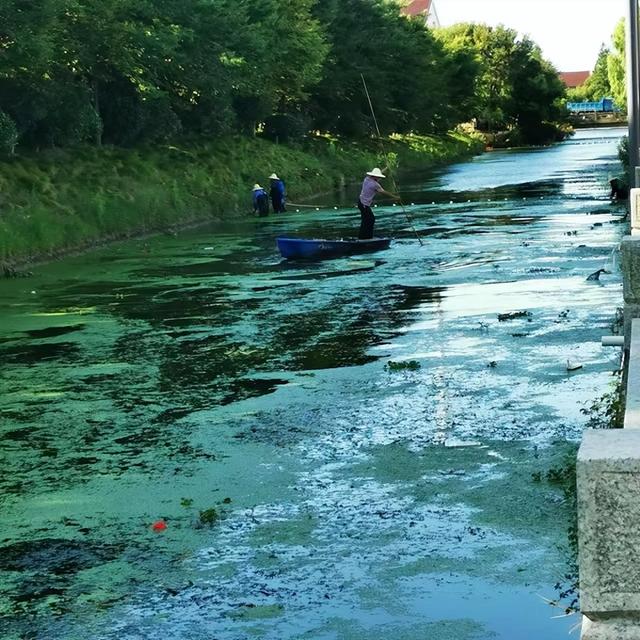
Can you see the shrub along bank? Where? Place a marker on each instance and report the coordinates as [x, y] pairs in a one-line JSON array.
[[59, 201]]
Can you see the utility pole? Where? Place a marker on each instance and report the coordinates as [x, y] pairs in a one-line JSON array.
[[633, 89]]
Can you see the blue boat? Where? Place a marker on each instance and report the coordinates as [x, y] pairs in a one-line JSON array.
[[301, 248]]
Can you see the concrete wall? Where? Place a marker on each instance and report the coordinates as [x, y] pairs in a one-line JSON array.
[[608, 477], [630, 264]]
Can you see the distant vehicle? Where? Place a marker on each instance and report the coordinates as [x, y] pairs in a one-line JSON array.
[[604, 105]]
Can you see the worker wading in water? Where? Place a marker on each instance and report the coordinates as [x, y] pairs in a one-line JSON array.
[[619, 191], [277, 193], [260, 201], [370, 188]]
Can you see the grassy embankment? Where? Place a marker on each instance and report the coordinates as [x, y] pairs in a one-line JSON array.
[[60, 201]]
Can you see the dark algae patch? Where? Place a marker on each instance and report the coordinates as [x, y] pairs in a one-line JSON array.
[[32, 354], [407, 365], [54, 332], [55, 556]]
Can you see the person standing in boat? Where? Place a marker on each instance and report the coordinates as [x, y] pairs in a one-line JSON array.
[[260, 201], [277, 193], [370, 188]]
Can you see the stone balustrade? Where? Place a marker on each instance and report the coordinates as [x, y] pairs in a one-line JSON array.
[[608, 479], [634, 207], [630, 264], [608, 476]]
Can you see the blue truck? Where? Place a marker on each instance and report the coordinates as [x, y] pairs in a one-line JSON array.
[[604, 105]]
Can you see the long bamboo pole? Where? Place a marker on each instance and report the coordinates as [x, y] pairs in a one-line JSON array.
[[393, 180]]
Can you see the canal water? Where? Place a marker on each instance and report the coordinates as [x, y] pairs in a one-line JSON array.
[[363, 448]]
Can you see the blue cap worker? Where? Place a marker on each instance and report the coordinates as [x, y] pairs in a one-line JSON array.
[[260, 201], [277, 193]]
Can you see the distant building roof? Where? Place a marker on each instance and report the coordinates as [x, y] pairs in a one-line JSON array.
[[417, 7], [424, 8], [574, 79]]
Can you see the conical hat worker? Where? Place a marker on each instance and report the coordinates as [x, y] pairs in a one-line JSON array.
[[277, 193], [260, 201], [370, 188]]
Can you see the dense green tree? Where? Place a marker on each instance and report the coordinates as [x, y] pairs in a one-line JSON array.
[[8, 134], [515, 88], [27, 43], [115, 48], [577, 94], [294, 48], [597, 85], [214, 62], [404, 67], [536, 94], [127, 72], [287, 59], [616, 66], [491, 49], [464, 65], [338, 103], [27, 31]]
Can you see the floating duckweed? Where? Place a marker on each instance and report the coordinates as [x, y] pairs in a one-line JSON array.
[[406, 365], [208, 516]]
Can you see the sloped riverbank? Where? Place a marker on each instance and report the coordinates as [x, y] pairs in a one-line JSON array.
[[59, 201]]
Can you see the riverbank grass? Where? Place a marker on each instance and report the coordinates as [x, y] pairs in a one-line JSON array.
[[59, 201]]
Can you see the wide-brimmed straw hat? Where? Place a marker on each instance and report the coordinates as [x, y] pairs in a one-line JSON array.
[[273, 176], [376, 173], [256, 187]]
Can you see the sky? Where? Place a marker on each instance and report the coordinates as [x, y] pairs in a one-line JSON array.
[[569, 32]]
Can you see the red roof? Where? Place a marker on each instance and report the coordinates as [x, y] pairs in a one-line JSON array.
[[417, 7], [574, 78]]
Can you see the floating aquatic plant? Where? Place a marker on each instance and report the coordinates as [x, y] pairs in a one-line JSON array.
[[502, 317], [405, 365], [208, 516]]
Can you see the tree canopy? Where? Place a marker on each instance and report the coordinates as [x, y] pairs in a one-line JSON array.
[[129, 72], [609, 74], [616, 66], [515, 88]]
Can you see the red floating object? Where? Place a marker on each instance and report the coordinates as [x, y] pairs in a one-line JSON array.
[[160, 525]]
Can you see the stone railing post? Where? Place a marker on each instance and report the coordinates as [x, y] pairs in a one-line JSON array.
[[630, 264], [632, 395], [634, 205], [608, 475]]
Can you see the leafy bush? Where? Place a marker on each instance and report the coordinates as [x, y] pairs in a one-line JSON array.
[[607, 411], [159, 121], [284, 127], [130, 120], [251, 110], [8, 134], [70, 120], [623, 152], [88, 124], [123, 119], [208, 516]]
